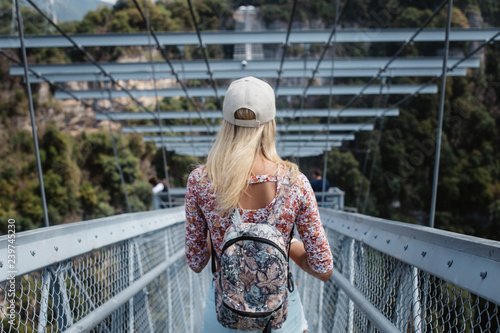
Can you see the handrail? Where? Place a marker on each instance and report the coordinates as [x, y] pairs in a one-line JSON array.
[[378, 319], [469, 262], [36, 249]]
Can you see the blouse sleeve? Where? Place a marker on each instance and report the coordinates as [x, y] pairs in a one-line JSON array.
[[196, 226], [310, 228]]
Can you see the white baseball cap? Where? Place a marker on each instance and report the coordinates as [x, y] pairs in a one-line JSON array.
[[253, 94]]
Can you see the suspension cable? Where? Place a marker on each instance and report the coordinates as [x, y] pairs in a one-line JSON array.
[[426, 84], [326, 46], [115, 152], [383, 69], [394, 57], [127, 169], [95, 62], [86, 104], [90, 58], [32, 114], [440, 117], [417, 92], [375, 151], [59, 87], [165, 56], [203, 48], [330, 100], [304, 75], [367, 154], [107, 74], [163, 148], [285, 46]]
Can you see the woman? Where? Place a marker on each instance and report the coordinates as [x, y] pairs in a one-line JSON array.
[[243, 170]]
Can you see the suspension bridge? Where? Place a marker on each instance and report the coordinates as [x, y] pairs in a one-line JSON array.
[[127, 273]]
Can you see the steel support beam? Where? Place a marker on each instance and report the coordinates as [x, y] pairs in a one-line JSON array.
[[289, 128], [284, 144], [279, 138], [282, 152], [252, 37], [196, 66], [236, 74], [364, 112], [284, 91]]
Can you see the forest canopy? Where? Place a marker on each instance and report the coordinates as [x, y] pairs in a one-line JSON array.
[[80, 174]]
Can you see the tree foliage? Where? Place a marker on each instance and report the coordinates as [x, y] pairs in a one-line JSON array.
[[80, 173]]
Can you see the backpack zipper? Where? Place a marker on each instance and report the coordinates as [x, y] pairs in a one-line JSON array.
[[253, 238], [252, 314]]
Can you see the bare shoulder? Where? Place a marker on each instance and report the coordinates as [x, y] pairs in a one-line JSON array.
[[264, 167]]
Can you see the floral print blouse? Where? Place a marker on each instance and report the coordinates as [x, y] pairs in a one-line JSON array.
[[300, 208]]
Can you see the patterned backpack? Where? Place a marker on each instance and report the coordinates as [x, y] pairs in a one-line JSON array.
[[251, 288]]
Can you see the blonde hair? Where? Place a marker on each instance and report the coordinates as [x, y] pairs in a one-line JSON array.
[[232, 157]]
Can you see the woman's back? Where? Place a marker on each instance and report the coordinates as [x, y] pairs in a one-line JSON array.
[[300, 208], [243, 171], [259, 195]]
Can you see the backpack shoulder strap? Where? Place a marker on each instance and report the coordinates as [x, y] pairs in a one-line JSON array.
[[280, 198]]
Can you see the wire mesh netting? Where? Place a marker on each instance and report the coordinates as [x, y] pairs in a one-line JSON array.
[[53, 299], [413, 300], [59, 296]]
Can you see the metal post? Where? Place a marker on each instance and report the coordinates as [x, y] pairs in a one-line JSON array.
[[143, 298], [148, 265], [153, 71], [44, 302], [64, 313], [441, 113], [351, 281], [330, 98], [81, 289], [32, 114], [131, 319], [169, 287], [181, 303], [320, 307], [191, 302], [416, 300], [119, 317]]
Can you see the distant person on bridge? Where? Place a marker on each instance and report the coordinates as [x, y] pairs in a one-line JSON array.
[[241, 209], [317, 182], [158, 185]]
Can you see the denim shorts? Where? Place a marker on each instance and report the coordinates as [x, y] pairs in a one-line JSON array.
[[295, 322]]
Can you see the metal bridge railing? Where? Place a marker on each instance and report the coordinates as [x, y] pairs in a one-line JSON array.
[[128, 273], [398, 277], [333, 198], [124, 273]]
